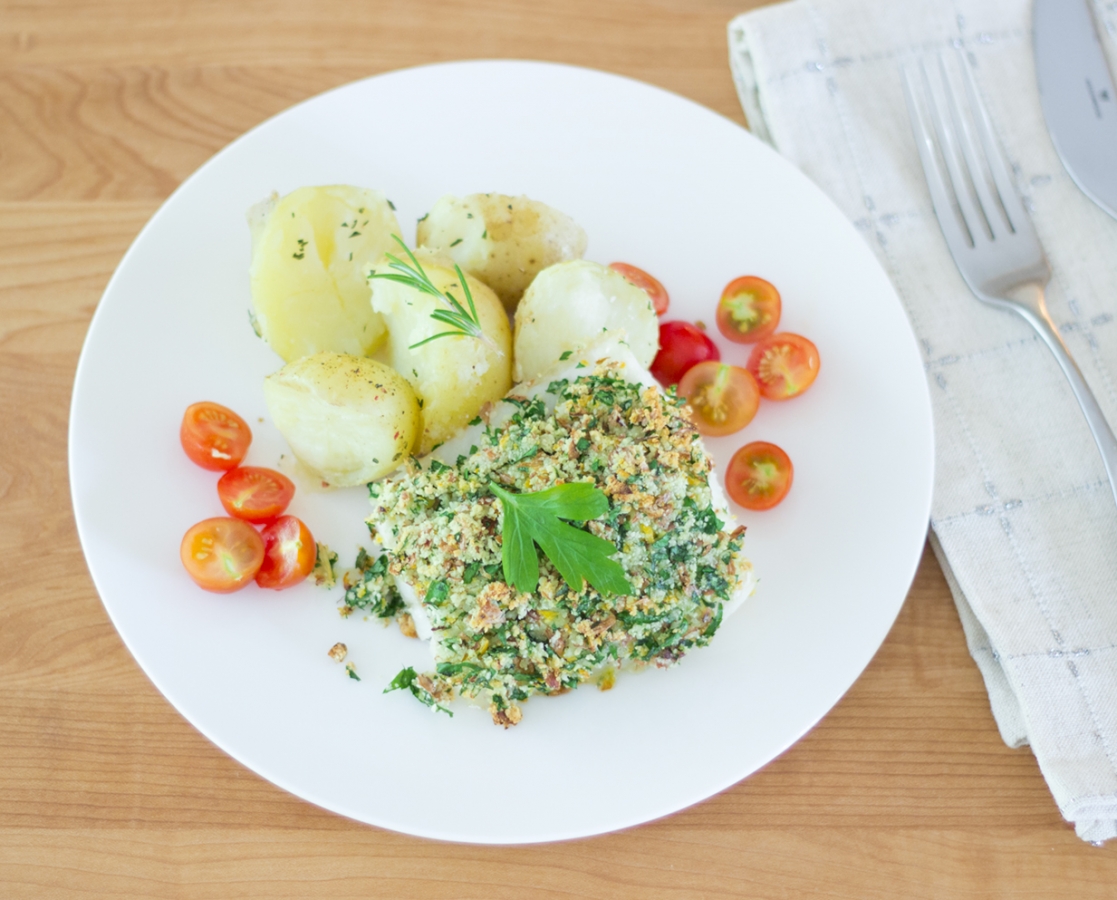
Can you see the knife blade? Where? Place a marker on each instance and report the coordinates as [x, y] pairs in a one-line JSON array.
[[1078, 98]]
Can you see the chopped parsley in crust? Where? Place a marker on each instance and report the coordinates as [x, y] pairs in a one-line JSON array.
[[369, 589], [441, 529]]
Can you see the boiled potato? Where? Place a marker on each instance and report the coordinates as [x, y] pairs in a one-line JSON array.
[[504, 241], [453, 376], [348, 419], [573, 303], [310, 251]]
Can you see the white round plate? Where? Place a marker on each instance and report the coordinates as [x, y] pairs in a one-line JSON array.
[[655, 180]]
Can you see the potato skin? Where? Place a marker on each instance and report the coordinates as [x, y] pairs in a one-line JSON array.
[[504, 241], [454, 377], [310, 250], [348, 419], [573, 303]]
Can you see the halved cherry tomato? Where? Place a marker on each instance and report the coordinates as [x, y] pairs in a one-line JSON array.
[[784, 364], [681, 345], [722, 398], [656, 291], [289, 553], [255, 494], [214, 436], [749, 309], [759, 475], [222, 554]]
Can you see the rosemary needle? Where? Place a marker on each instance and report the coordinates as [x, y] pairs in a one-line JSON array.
[[460, 321]]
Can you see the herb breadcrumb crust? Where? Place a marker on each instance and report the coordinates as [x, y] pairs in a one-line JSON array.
[[440, 525]]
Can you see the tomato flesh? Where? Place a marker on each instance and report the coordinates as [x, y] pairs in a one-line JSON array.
[[255, 494], [759, 476], [214, 436], [289, 553], [681, 346], [222, 554], [722, 398], [651, 285], [749, 309], [784, 365]]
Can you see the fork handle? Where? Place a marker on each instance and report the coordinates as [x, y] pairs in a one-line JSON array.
[[1030, 304]]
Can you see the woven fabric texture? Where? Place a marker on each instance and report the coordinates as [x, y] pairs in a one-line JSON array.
[[1023, 518]]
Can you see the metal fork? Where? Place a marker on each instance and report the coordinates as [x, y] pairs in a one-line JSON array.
[[986, 227]]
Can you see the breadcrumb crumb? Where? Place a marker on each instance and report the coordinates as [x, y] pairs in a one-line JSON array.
[[407, 625], [323, 572], [507, 717]]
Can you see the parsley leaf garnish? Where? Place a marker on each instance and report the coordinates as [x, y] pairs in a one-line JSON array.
[[536, 518]]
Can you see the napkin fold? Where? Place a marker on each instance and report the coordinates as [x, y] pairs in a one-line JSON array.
[[1023, 517]]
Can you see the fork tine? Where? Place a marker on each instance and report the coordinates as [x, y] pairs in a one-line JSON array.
[[973, 217], [940, 197], [1018, 219], [992, 210]]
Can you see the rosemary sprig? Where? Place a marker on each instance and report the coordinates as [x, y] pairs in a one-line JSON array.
[[462, 322]]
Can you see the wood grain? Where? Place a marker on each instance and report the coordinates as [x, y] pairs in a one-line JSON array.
[[903, 790]]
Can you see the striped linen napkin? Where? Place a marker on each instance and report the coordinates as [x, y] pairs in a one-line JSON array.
[[1023, 518]]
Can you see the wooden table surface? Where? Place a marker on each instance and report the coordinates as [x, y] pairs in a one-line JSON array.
[[903, 790]]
